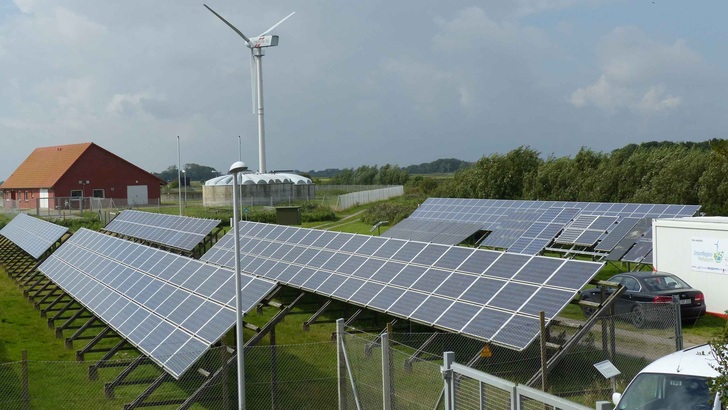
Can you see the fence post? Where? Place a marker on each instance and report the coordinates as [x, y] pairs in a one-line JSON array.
[[224, 356], [678, 323], [341, 363], [449, 391], [387, 396], [24, 377], [544, 370]]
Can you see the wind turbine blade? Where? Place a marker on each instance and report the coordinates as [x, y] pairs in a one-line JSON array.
[[247, 40], [275, 25], [253, 85]]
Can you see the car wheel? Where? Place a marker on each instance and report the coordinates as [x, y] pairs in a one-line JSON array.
[[638, 317], [587, 310]]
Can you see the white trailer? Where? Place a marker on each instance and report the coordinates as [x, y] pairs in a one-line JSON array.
[[695, 249]]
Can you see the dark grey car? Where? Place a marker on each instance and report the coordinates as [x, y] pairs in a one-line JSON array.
[[644, 288]]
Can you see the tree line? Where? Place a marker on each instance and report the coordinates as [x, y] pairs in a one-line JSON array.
[[438, 166], [192, 172], [371, 175], [651, 172]]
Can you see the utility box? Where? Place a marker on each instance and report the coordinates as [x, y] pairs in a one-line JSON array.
[[288, 215], [696, 250]]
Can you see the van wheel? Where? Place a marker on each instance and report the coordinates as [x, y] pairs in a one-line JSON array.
[[638, 317]]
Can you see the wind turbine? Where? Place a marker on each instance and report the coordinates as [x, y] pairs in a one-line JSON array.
[[256, 46]]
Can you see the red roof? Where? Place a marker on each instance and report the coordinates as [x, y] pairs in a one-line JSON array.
[[45, 166]]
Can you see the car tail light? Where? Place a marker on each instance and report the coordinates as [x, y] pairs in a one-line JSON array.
[[662, 299], [699, 297]]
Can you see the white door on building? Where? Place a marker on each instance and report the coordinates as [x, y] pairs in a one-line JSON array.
[[137, 195], [43, 198]]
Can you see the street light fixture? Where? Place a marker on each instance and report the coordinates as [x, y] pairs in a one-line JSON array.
[[235, 169]]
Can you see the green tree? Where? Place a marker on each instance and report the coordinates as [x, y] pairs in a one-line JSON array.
[[497, 176]]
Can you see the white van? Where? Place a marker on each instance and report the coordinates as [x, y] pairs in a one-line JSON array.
[[678, 381]]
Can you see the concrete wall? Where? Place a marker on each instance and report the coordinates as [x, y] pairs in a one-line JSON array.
[[677, 245], [259, 194]]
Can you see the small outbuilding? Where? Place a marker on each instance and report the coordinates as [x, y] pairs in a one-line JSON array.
[[65, 176], [696, 250]]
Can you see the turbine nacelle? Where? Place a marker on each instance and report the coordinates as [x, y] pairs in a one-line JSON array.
[[263, 41]]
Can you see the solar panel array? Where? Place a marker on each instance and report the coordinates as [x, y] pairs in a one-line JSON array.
[[510, 228], [181, 232], [487, 295], [586, 230], [170, 307], [543, 230], [446, 233], [488, 211], [33, 235], [496, 215]]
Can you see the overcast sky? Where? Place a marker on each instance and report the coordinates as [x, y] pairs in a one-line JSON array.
[[359, 82]]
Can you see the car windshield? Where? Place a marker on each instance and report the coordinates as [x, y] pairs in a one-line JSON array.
[[659, 283], [666, 391]]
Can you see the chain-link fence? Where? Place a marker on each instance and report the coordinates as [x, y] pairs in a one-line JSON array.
[[314, 375]]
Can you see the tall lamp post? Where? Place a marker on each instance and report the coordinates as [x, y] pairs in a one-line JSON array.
[[83, 184], [184, 182], [235, 169]]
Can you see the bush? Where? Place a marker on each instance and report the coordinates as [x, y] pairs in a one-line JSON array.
[[264, 215], [74, 224], [387, 212], [312, 212]]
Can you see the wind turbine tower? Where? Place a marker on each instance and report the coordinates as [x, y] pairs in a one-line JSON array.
[[256, 46]]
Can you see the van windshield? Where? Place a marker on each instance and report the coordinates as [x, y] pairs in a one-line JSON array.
[[650, 391]]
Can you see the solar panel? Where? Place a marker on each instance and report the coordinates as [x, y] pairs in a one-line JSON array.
[[33, 235], [181, 232], [447, 287], [585, 230], [543, 230], [448, 233], [642, 227], [616, 234], [172, 311], [638, 252], [511, 227]]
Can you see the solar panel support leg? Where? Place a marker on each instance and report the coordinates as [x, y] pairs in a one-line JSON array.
[[419, 351], [110, 386], [353, 317], [312, 319], [222, 371], [49, 308], [27, 282], [102, 334], [51, 321], [371, 345], [69, 341], [565, 347], [139, 401], [47, 296], [37, 288], [93, 370], [25, 273]]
